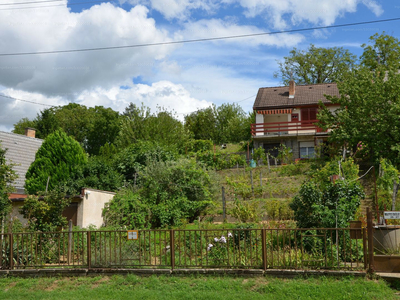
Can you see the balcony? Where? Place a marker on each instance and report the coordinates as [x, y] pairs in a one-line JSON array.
[[285, 128]]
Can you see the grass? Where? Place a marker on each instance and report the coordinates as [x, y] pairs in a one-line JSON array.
[[194, 287]]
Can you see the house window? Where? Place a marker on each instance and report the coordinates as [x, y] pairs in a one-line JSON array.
[[307, 150], [308, 114]]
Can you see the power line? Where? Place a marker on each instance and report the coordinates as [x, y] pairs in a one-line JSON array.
[[31, 2], [198, 40], [56, 5], [244, 99], [32, 102]]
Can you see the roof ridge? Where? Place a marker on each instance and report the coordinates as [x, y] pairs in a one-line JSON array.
[[20, 135], [297, 85]]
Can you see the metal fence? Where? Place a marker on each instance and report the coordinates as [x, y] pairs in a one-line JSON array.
[[325, 248]]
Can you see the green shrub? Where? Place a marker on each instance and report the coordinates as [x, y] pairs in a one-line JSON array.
[[169, 193], [278, 209], [59, 158], [245, 211]]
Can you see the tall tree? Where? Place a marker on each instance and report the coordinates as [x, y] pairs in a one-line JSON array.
[[139, 124], [59, 157], [91, 127], [368, 114], [315, 65], [227, 123], [202, 123], [384, 50]]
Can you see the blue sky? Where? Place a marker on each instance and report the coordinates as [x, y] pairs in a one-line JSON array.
[[181, 77]]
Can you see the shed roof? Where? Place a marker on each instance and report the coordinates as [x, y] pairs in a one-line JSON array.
[[21, 151], [278, 97]]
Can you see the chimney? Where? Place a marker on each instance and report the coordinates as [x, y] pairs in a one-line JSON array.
[[30, 132], [292, 88]]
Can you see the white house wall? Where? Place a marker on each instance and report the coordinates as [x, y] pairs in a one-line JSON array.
[[90, 209]]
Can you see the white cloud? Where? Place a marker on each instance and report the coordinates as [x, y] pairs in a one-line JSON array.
[[11, 111], [220, 28], [71, 73], [283, 13], [173, 97], [177, 9]]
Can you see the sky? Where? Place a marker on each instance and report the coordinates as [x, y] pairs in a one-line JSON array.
[[178, 77]]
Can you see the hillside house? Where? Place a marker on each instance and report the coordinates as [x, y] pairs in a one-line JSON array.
[[287, 115]]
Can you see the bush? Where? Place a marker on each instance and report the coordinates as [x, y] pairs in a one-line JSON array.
[[316, 208], [44, 212], [278, 209], [59, 158], [169, 193], [245, 211]]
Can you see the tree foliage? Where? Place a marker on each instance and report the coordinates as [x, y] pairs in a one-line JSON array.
[[169, 193], [44, 212], [227, 123], [162, 127], [368, 113], [317, 208], [91, 127], [59, 158], [315, 65], [384, 50], [7, 176]]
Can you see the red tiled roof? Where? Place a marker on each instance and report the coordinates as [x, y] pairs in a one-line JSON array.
[[278, 97]]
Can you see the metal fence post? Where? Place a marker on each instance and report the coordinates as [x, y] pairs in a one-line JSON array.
[[364, 233], [69, 242], [370, 231], [11, 251], [264, 248], [172, 248], [89, 250]]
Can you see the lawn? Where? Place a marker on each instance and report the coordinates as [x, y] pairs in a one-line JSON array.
[[194, 287]]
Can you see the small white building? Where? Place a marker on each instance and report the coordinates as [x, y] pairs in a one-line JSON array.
[[85, 210]]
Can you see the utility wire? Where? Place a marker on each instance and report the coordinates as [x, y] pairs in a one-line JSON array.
[[56, 5], [31, 2], [198, 40], [244, 99], [5, 96]]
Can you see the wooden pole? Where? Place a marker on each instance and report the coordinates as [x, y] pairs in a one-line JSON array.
[[269, 166], [395, 189], [248, 151], [251, 179], [223, 204], [260, 178]]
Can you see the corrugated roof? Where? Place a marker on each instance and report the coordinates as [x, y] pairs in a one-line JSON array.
[[278, 97], [21, 150]]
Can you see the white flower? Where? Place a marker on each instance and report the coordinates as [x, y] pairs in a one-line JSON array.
[[216, 240], [229, 234], [209, 247], [222, 239]]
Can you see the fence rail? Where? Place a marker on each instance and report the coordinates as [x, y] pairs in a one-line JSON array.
[[324, 248]]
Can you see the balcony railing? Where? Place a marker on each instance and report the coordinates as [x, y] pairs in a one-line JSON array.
[[284, 128]]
